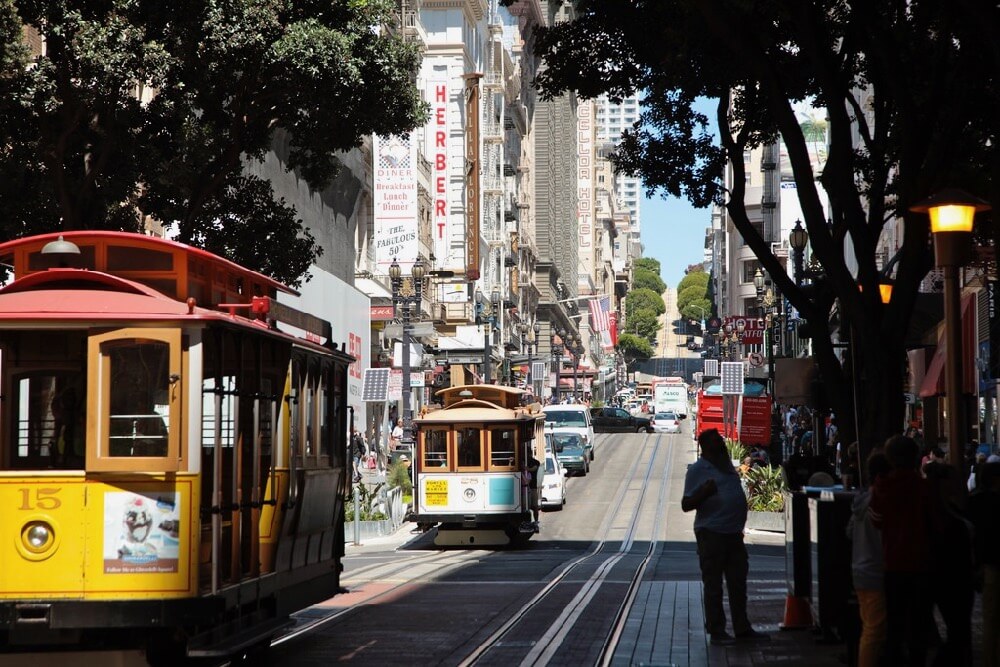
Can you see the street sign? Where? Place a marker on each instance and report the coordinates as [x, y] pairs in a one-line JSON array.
[[460, 359], [732, 377], [417, 329], [756, 359]]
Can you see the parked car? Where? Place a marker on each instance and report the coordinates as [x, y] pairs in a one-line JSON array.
[[571, 453], [559, 438], [618, 420], [573, 417], [665, 422], [553, 483]]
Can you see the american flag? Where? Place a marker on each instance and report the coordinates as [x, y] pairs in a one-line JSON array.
[[599, 309]]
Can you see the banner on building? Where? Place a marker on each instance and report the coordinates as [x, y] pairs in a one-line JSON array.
[[472, 180], [394, 196], [585, 185]]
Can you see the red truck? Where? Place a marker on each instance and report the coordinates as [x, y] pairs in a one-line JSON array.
[[755, 424]]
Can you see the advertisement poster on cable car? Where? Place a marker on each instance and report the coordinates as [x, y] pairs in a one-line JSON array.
[[141, 533]]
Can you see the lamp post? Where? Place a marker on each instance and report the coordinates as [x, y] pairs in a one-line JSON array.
[[406, 293], [557, 350], [798, 239], [952, 213], [486, 314], [576, 349]]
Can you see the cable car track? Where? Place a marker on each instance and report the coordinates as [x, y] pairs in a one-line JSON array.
[[545, 647]]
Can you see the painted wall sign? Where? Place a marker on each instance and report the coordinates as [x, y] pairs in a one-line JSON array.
[[394, 197], [472, 178]]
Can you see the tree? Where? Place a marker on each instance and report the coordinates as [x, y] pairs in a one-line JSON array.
[[914, 82], [647, 264], [219, 85], [643, 279], [699, 278], [634, 348], [645, 299], [645, 323]]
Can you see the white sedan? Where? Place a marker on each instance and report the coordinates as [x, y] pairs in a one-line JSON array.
[[665, 422], [553, 484]]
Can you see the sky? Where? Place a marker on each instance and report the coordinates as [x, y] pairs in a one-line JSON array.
[[673, 232]]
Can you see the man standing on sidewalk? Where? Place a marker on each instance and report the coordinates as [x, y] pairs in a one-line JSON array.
[[713, 488]]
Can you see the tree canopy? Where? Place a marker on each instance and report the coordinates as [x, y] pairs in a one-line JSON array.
[[910, 98], [644, 279], [644, 299], [647, 264], [634, 348], [155, 109]]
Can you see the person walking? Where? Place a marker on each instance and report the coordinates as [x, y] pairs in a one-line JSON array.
[[953, 584], [713, 490], [867, 568], [984, 508], [902, 508]]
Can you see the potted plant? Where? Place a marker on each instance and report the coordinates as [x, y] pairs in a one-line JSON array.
[[765, 498]]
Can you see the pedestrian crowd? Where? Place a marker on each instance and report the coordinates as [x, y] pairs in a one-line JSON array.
[[925, 539]]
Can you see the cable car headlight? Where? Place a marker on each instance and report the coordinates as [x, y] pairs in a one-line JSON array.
[[37, 536]]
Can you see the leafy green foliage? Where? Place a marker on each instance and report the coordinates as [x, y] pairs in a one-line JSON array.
[[368, 508], [643, 279], [908, 95], [697, 309], [643, 299], [764, 487], [737, 452], [220, 84], [699, 278], [399, 475], [647, 264], [645, 323], [633, 347]]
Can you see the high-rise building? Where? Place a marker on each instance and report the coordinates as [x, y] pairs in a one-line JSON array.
[[611, 120]]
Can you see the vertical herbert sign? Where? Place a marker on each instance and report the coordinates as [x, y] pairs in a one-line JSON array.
[[584, 184], [437, 150], [394, 194]]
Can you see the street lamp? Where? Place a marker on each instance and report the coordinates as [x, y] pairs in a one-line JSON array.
[[798, 240], [576, 349], [487, 313], [406, 293], [952, 212], [557, 350]]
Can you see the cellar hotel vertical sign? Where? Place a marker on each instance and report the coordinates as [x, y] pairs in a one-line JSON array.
[[395, 201]]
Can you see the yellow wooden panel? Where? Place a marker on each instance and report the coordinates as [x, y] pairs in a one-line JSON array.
[[58, 502]]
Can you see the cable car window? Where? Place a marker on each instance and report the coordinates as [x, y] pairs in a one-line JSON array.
[[469, 447], [134, 390], [139, 421], [502, 447], [435, 448], [226, 419], [49, 422]]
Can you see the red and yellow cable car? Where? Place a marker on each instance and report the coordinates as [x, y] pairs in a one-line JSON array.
[[172, 459]]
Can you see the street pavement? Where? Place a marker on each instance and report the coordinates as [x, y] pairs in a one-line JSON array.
[[665, 625]]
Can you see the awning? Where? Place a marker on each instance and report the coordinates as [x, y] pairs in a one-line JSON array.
[[372, 288], [934, 381]]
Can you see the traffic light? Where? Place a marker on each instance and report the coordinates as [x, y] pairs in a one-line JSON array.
[[680, 326]]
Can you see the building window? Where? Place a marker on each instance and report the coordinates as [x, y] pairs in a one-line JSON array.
[[750, 270]]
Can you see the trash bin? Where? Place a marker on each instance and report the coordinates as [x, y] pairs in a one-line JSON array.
[[798, 566], [830, 571]]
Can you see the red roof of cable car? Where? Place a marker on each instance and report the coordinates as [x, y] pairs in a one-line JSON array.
[[8, 248]]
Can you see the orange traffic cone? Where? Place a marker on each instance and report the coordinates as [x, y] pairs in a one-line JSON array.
[[798, 614]]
